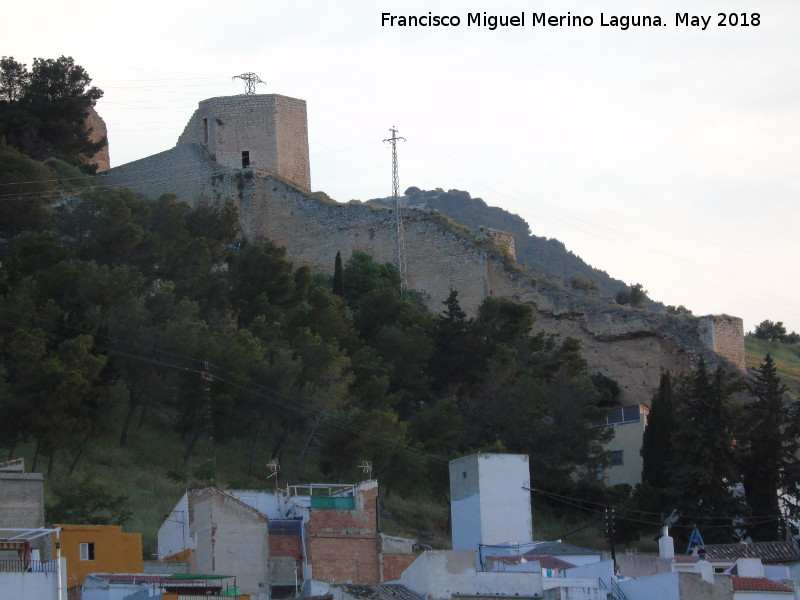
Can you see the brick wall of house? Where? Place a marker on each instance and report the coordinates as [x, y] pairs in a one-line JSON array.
[[343, 545], [393, 565]]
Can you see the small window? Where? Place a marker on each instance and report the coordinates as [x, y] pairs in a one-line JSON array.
[[87, 551], [616, 458], [245, 159], [205, 130], [464, 474]]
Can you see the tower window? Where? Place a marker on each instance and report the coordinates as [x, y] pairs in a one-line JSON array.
[[205, 130], [245, 159]]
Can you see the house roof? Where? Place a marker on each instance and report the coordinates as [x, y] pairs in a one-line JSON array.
[[758, 584], [381, 591], [157, 578], [549, 562], [694, 559], [768, 552], [559, 549], [545, 560]]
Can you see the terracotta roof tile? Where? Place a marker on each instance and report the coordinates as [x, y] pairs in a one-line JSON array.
[[377, 591], [758, 584], [768, 552]]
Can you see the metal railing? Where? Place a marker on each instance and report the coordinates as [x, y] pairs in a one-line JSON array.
[[27, 566]]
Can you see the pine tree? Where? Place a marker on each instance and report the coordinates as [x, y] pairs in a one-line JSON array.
[[702, 470], [764, 453], [657, 439]]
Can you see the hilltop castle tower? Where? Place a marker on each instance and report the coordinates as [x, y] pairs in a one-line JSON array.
[[229, 135], [262, 131]]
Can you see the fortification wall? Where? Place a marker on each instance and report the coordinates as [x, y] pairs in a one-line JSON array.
[[271, 129], [724, 335], [629, 345], [185, 171]]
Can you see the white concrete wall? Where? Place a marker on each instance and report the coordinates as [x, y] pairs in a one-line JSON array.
[[489, 502], [580, 560], [575, 593], [38, 585], [273, 504], [570, 582], [665, 586], [599, 570], [441, 574], [232, 539], [173, 535]]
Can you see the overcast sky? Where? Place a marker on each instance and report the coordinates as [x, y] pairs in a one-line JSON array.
[[666, 156]]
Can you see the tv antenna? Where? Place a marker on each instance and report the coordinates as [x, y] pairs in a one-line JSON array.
[[250, 81], [275, 467], [366, 468], [401, 247]]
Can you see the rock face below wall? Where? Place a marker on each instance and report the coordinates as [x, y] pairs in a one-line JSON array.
[[94, 122], [629, 345]]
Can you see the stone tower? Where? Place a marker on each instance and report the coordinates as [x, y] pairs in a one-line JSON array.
[[267, 132]]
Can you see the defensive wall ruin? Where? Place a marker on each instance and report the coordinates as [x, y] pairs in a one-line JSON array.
[[629, 345]]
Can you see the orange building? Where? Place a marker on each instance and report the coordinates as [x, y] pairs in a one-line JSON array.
[[99, 549]]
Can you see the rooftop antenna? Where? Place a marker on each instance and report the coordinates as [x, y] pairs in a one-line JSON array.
[[275, 467], [401, 248], [366, 468], [250, 81]]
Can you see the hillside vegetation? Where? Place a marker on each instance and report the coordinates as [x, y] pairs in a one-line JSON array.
[[787, 359], [146, 348], [150, 341]]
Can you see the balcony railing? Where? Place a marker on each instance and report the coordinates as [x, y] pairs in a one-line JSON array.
[[27, 566]]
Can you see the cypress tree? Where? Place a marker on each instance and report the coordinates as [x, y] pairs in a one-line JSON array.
[[338, 276], [657, 439], [764, 454]]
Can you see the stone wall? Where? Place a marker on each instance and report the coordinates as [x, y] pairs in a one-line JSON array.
[[186, 171], [629, 345], [272, 129], [724, 335]]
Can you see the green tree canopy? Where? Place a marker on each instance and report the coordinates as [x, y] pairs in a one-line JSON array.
[[43, 111]]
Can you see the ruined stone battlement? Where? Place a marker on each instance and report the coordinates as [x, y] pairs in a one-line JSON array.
[[629, 345], [263, 131]]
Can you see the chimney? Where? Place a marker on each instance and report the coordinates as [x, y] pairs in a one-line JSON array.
[[705, 569], [666, 546]]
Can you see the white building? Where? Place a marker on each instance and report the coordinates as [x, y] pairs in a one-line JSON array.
[[490, 501]]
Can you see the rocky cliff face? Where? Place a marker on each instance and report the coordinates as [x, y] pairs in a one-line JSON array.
[[98, 130]]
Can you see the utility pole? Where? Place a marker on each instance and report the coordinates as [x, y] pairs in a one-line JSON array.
[[250, 81], [209, 417], [609, 514], [401, 248]]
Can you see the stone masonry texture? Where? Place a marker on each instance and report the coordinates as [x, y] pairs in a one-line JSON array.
[[629, 345]]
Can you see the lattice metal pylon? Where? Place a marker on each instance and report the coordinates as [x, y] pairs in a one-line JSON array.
[[401, 248], [250, 81]]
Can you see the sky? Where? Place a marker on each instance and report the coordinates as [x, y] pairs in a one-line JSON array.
[[665, 155]]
